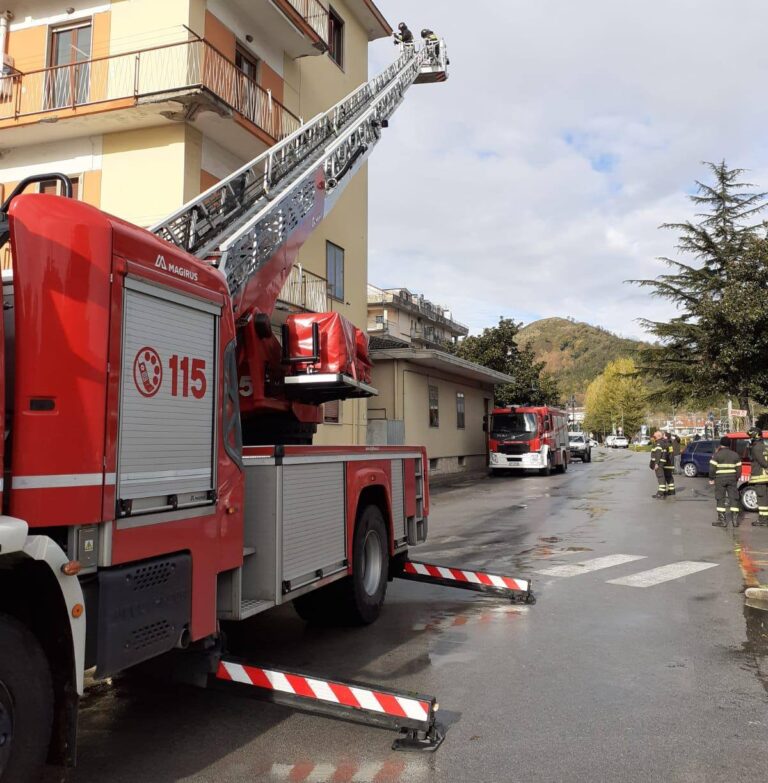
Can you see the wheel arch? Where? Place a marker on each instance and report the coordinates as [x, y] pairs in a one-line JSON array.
[[377, 495], [35, 591]]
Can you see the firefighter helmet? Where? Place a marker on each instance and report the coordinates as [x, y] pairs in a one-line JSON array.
[[754, 433], [425, 33]]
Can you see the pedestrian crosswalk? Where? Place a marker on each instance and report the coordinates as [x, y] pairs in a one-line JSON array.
[[585, 566], [648, 578]]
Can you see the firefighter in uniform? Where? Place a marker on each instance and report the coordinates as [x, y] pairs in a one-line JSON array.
[[759, 479], [669, 465], [724, 472], [431, 41], [404, 36], [659, 458]]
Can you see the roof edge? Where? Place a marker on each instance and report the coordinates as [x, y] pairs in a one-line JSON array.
[[448, 360]]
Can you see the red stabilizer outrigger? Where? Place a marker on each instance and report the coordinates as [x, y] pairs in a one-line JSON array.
[[518, 590], [412, 714]]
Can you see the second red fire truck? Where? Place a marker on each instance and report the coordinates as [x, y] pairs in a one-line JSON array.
[[528, 437]]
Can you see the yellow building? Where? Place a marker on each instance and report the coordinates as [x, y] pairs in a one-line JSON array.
[[146, 103]]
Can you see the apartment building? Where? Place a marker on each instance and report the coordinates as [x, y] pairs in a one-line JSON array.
[[401, 317], [146, 103]]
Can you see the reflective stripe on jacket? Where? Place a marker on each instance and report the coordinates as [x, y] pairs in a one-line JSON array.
[[725, 463], [757, 453]]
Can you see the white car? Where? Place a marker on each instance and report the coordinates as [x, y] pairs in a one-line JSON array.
[[609, 440], [620, 442]]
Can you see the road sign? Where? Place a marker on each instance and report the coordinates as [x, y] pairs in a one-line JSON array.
[[738, 412]]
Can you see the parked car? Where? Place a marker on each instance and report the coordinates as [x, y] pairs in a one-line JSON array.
[[580, 446], [694, 461], [609, 440], [593, 443], [620, 442]]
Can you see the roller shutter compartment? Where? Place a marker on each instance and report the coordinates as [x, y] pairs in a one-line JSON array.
[[168, 398]]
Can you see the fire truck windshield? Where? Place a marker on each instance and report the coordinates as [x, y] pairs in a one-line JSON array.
[[518, 426]]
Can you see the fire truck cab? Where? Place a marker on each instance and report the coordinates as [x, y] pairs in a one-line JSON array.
[[528, 437]]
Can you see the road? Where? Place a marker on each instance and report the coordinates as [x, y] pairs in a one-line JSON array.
[[619, 673]]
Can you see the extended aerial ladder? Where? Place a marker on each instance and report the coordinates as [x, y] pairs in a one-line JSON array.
[[245, 219], [251, 225]]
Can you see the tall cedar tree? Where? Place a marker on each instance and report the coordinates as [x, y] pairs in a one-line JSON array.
[[714, 346], [496, 349]]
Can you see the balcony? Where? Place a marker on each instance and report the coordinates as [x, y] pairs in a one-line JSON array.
[[188, 81], [305, 290], [417, 305], [298, 27]]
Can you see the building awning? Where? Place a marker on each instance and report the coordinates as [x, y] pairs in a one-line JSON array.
[[371, 18], [439, 360]]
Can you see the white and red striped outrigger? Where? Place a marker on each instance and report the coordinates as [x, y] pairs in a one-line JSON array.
[[479, 581], [412, 714]]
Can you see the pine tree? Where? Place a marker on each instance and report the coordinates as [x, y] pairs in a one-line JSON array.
[[695, 357]]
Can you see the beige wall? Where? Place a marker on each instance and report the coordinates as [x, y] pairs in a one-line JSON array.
[[138, 24], [404, 394], [168, 157]]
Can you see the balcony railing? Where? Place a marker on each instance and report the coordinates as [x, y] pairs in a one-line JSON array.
[[416, 304], [314, 14], [145, 74], [305, 290]]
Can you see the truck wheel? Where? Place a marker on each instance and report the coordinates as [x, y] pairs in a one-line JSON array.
[[366, 588], [26, 703], [356, 599], [548, 470]]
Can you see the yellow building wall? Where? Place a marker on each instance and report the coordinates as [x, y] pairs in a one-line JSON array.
[[148, 173], [138, 24], [404, 395]]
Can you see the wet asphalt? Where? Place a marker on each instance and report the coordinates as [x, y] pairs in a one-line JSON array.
[[596, 682]]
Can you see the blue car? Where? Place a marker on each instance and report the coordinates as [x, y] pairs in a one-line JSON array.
[[694, 461]]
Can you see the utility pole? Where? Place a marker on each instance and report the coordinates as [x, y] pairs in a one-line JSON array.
[[730, 415]]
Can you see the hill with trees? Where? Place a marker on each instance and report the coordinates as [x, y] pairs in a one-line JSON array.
[[574, 353]]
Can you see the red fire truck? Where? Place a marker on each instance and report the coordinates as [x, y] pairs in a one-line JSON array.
[[528, 437], [158, 476]]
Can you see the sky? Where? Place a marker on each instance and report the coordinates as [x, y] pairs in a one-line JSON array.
[[534, 181]]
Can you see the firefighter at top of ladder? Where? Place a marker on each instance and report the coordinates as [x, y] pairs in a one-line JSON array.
[[404, 35]]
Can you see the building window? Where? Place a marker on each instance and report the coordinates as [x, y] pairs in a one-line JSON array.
[[434, 410], [53, 187], [379, 319], [336, 37], [246, 62], [332, 412], [67, 79], [334, 270], [433, 463], [460, 410]]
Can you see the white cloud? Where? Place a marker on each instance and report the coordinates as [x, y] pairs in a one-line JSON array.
[[533, 182]]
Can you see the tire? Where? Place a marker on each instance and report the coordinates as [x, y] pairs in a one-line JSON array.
[[587, 457], [356, 599], [748, 498], [548, 470], [563, 466], [26, 703], [690, 470]]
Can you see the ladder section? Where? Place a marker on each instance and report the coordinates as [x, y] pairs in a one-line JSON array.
[[247, 217]]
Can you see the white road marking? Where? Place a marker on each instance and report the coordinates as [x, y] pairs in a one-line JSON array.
[[662, 574], [585, 566]]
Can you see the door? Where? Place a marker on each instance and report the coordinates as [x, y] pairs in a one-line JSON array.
[[67, 80], [703, 455]]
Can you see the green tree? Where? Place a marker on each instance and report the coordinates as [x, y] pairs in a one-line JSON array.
[[617, 398], [497, 349], [697, 356]]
